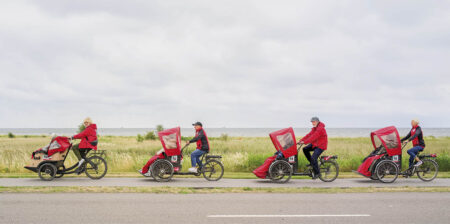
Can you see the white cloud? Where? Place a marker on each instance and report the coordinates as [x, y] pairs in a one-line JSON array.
[[234, 64]]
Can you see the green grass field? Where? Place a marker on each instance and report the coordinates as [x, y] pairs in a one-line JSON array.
[[240, 154]]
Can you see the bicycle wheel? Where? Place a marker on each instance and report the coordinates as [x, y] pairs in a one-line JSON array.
[[329, 171], [387, 171], [47, 171], [280, 171], [95, 167], [212, 170], [162, 170], [428, 170]]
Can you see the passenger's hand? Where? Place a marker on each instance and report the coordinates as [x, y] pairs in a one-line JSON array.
[[187, 143]]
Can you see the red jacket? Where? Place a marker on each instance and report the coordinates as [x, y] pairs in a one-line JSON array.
[[89, 134], [317, 137]]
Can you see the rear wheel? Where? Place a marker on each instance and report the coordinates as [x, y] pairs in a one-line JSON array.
[[47, 171], [386, 171], [280, 171], [213, 170], [329, 171], [162, 170], [428, 170], [95, 167]]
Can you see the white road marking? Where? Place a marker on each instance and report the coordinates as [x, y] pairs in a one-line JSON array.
[[286, 216]]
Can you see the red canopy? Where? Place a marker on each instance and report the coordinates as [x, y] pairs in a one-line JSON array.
[[390, 139], [284, 141], [58, 144], [171, 141]]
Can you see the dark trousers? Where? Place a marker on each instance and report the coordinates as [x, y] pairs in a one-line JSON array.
[[80, 153], [413, 153], [313, 160]]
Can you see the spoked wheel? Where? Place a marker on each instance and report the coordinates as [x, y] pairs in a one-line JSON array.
[[60, 171], [213, 170], [329, 171], [162, 170], [47, 171], [428, 170], [280, 171], [95, 167], [386, 171]]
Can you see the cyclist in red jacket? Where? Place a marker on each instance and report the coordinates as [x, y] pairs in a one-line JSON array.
[[317, 141], [88, 141]]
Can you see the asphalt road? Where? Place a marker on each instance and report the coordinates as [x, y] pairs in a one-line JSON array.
[[200, 182], [225, 208]]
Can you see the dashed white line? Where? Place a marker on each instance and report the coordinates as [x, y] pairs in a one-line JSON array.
[[286, 216]]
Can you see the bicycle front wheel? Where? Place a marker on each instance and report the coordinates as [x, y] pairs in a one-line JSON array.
[[329, 171], [95, 167], [428, 170], [213, 170]]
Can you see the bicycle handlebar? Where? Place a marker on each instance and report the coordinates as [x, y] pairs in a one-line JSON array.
[[404, 144]]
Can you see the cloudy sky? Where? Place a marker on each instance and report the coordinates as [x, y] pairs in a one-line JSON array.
[[228, 64]]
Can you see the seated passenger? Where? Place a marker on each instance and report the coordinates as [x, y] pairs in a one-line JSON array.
[[146, 169]]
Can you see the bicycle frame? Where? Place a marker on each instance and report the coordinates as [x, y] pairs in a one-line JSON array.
[[178, 164], [72, 169], [293, 160]]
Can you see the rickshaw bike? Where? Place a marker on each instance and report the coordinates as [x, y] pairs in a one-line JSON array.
[[385, 162], [49, 163], [283, 166], [163, 169]]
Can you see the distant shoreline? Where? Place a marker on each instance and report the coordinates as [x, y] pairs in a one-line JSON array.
[[217, 132]]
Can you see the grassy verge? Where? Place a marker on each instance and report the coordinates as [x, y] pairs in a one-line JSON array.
[[190, 190], [240, 154]]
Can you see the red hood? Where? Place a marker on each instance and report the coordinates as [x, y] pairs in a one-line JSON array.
[[322, 125], [93, 126]]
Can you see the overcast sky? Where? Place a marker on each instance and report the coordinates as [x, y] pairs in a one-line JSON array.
[[230, 64]]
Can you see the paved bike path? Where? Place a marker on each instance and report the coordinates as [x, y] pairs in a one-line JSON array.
[[200, 182]]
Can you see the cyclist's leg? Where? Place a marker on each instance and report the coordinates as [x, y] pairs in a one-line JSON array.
[[315, 156], [84, 152], [412, 154], [199, 161], [195, 156], [307, 151]]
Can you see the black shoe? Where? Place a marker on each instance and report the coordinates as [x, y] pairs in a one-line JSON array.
[[314, 176], [79, 170]]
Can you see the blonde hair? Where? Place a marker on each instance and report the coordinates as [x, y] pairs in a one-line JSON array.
[[415, 120], [88, 120]]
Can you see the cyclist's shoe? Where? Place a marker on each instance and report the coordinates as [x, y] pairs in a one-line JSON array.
[[315, 176], [418, 163], [148, 174], [192, 170]]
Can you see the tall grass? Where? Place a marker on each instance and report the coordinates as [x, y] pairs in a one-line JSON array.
[[125, 154]]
